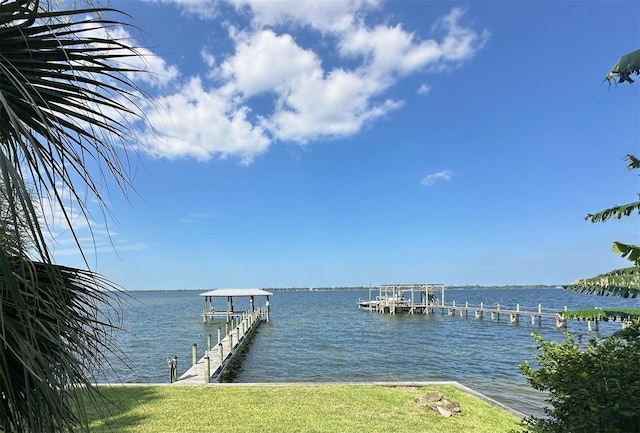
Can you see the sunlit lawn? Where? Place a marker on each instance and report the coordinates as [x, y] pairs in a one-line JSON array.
[[336, 408]]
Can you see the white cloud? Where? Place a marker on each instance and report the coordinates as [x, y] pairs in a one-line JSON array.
[[460, 42], [430, 179], [318, 107], [323, 15], [266, 62], [202, 124], [208, 58], [302, 99], [424, 89]]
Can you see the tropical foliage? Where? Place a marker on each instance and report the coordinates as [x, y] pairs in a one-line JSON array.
[[65, 106], [627, 65], [592, 390], [620, 282], [596, 388]]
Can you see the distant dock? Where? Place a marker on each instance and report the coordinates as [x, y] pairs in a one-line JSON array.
[[239, 325], [423, 299]]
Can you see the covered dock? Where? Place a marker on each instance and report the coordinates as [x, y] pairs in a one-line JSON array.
[[404, 298], [229, 312]]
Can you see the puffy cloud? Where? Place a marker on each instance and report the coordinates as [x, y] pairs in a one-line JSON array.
[[274, 87], [335, 106], [201, 124], [432, 178], [266, 62]]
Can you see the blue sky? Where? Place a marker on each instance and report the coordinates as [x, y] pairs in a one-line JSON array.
[[348, 143]]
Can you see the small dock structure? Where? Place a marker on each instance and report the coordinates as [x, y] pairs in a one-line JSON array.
[[239, 325], [210, 312], [404, 298]]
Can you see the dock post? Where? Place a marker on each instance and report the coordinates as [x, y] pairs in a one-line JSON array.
[[209, 342], [173, 368], [238, 334], [207, 368], [539, 315], [194, 353], [219, 332], [515, 318], [466, 309], [498, 308], [268, 309], [231, 341], [479, 313], [221, 355]]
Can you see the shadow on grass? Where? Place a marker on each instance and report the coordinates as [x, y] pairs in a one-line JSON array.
[[114, 409]]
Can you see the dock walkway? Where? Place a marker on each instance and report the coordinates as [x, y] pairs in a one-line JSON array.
[[209, 368], [422, 299], [497, 311]]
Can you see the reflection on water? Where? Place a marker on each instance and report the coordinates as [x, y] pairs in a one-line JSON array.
[[323, 336]]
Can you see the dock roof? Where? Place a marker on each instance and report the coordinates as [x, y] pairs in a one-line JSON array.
[[236, 292]]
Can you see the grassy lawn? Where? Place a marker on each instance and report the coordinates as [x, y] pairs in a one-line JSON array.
[[287, 409]]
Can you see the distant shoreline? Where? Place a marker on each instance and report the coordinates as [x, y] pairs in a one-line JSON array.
[[364, 288]]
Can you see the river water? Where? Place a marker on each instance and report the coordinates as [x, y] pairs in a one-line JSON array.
[[323, 336]]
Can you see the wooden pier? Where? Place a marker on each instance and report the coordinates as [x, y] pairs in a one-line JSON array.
[[238, 326], [423, 299], [209, 368], [513, 314]]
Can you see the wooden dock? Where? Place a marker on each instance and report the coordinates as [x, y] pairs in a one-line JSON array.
[[209, 368], [495, 313], [423, 299]]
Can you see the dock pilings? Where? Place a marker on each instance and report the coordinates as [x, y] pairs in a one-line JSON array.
[[211, 366]]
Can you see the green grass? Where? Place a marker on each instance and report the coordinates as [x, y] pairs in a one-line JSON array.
[[288, 409]]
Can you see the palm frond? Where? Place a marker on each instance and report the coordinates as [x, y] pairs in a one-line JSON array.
[[66, 107], [53, 325], [634, 162], [624, 283], [65, 104], [616, 212]]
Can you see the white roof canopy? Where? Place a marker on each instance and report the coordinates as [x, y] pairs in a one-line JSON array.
[[236, 292]]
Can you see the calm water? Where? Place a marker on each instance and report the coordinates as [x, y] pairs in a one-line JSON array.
[[323, 336]]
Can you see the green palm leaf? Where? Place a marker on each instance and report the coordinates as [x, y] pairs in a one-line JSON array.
[[66, 105], [621, 282]]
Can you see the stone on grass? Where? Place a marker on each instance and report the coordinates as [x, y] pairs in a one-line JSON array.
[[437, 402]]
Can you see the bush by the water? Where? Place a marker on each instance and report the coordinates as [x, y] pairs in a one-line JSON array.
[[592, 389]]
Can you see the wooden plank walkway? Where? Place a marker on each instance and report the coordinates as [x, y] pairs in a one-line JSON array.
[[497, 311], [211, 366], [392, 306]]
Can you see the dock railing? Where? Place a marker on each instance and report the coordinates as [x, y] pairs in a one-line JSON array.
[[212, 364]]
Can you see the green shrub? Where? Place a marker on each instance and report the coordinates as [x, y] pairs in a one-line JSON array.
[[590, 389]]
